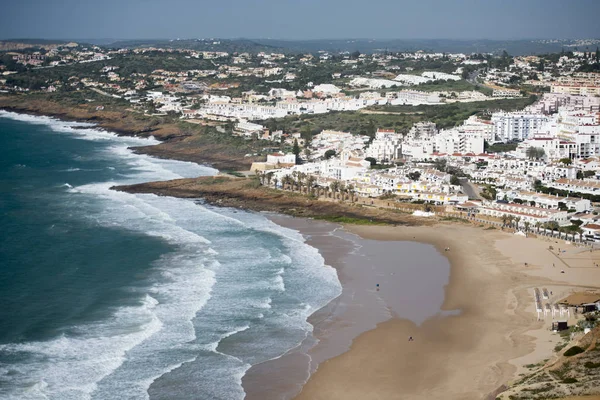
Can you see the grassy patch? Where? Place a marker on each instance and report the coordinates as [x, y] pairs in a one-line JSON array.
[[559, 347], [489, 228], [454, 219], [233, 173]]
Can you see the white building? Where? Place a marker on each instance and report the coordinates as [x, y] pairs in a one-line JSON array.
[[385, 146], [280, 158], [516, 125], [526, 213], [478, 126], [453, 141]]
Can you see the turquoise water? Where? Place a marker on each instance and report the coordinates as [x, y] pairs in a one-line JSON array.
[[109, 295]]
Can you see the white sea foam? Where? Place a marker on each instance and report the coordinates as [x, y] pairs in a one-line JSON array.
[[70, 367], [231, 275]]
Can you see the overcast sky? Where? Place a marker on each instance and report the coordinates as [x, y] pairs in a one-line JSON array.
[[299, 19]]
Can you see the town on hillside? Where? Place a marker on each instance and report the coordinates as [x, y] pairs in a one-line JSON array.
[[512, 138]]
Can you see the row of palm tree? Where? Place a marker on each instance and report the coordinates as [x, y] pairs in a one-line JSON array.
[[513, 221], [306, 183]]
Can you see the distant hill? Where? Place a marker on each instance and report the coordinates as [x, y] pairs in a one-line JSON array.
[[228, 45], [513, 47], [20, 44]]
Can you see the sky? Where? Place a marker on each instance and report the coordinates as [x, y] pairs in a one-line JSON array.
[[300, 19]]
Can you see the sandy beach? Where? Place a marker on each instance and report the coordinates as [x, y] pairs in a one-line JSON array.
[[485, 330]]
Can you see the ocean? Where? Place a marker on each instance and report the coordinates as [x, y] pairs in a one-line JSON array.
[[110, 295]]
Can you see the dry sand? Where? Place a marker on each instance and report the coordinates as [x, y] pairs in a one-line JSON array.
[[466, 356]]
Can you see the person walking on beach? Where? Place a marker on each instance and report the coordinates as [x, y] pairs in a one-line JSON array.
[[410, 339]]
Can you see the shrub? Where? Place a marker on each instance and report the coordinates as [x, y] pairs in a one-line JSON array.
[[573, 351], [569, 380], [559, 347], [590, 364]]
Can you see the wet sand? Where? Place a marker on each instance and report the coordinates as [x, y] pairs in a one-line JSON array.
[[411, 278], [470, 311], [469, 355]]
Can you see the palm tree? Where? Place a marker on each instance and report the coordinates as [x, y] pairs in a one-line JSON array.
[[527, 224], [505, 219], [553, 226], [537, 225], [342, 189], [351, 191], [287, 181], [334, 186], [310, 182], [517, 220], [275, 180], [580, 232]]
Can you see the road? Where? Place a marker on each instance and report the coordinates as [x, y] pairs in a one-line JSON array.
[[470, 189], [472, 78]]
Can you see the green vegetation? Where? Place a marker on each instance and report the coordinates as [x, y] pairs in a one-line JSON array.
[[499, 147], [447, 86], [399, 118], [535, 153], [559, 347], [573, 351], [569, 380], [453, 219], [591, 365], [564, 193], [233, 173]]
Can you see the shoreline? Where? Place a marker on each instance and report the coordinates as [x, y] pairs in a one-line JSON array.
[[510, 307], [471, 355], [360, 307], [178, 142]]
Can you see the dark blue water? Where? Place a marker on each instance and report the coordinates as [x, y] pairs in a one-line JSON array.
[[57, 269], [108, 295]]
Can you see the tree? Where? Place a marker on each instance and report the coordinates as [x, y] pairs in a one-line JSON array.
[[566, 161], [414, 176], [287, 181], [579, 174], [552, 225], [580, 232], [454, 180], [441, 164], [334, 186], [517, 220], [296, 150], [541, 66], [310, 183], [371, 160], [351, 191], [535, 153], [329, 154], [527, 225]]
